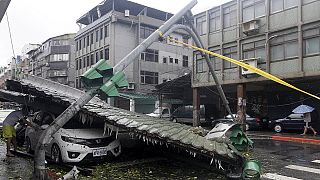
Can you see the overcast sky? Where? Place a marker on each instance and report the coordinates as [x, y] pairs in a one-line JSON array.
[[34, 21]]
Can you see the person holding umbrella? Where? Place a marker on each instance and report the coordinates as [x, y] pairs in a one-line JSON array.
[[306, 111]]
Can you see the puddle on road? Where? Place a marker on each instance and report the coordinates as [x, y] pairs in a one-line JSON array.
[[14, 167]]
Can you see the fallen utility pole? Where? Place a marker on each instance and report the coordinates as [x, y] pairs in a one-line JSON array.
[[40, 171]]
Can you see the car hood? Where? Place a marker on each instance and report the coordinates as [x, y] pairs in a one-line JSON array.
[[83, 133]]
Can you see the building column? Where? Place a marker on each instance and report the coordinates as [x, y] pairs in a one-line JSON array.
[[196, 106], [132, 105], [241, 105]]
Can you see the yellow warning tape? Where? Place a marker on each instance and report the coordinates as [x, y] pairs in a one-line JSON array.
[[247, 66]]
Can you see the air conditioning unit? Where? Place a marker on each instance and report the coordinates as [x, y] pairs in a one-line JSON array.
[[252, 62], [126, 13], [131, 86], [250, 27]]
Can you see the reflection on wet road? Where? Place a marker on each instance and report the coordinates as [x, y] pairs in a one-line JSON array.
[[14, 167], [285, 160]]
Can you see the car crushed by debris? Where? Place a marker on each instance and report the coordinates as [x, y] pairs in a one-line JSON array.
[[76, 141]]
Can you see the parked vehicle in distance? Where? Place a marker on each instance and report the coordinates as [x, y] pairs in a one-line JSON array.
[[74, 142], [291, 122], [182, 114], [251, 122]]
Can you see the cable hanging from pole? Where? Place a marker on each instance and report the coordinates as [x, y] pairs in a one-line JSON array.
[[14, 55]]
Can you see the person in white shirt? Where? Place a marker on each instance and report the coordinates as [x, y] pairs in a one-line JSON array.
[[307, 120]]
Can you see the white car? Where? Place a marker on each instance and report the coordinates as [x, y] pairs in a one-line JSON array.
[[74, 142]]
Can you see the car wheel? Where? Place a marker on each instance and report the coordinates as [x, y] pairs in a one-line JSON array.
[[28, 145], [174, 120], [277, 128], [56, 153]]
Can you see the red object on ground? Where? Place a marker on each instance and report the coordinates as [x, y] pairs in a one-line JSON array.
[[296, 139]]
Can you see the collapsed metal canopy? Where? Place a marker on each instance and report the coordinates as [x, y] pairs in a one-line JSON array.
[[41, 92]]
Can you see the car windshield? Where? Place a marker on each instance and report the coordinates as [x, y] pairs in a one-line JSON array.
[[76, 124], [296, 116]]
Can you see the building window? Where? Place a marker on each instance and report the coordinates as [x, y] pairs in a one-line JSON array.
[[88, 61], [77, 64], [284, 47], [84, 62], [185, 61], [146, 31], [60, 57], [171, 60], [185, 39], [80, 61], [215, 61], [230, 52], [88, 42], [164, 59], [280, 5], [101, 54], [201, 25], [101, 33], [97, 35], [176, 61], [79, 44], [91, 38], [148, 77], [214, 21], [150, 55], [92, 59], [252, 9], [106, 54], [255, 50], [84, 42], [106, 31], [97, 56], [230, 16], [311, 42], [199, 63]]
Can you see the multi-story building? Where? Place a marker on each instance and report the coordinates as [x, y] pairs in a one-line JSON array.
[[54, 59], [281, 37], [114, 28]]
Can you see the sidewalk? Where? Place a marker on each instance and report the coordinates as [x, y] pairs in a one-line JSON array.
[[309, 139]]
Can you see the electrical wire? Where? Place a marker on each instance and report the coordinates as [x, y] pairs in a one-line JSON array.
[[10, 35]]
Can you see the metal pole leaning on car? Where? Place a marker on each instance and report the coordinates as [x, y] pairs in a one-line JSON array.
[[109, 84]]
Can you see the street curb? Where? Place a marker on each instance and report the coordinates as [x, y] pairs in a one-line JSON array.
[[295, 139]]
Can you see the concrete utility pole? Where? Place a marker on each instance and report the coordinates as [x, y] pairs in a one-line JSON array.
[[40, 171], [196, 100], [3, 7]]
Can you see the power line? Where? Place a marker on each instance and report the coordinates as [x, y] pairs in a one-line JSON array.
[[10, 35]]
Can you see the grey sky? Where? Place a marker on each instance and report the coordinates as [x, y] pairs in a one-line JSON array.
[[34, 21]]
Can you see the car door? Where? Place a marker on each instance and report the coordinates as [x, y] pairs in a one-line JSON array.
[[295, 121]]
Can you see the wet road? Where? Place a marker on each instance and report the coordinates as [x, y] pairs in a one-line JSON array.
[[14, 167], [288, 160]]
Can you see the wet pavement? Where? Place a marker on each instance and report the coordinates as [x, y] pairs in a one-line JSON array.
[[14, 167], [285, 160]]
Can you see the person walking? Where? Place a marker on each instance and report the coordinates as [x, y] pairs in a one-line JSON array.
[[9, 133], [307, 120]]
